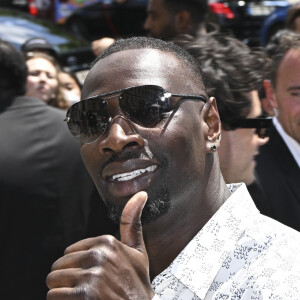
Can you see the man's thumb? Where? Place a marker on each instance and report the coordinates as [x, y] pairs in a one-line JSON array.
[[131, 226]]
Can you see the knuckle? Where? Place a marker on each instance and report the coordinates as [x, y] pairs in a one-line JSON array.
[[95, 256], [109, 241]]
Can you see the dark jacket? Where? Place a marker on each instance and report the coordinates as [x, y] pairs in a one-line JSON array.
[[279, 176], [47, 197]]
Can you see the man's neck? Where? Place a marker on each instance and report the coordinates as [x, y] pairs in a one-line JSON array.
[[167, 237]]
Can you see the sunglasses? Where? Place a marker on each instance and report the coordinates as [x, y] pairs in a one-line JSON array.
[[144, 105], [262, 125]]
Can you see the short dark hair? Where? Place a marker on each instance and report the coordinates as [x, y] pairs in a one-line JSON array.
[[276, 49], [197, 8], [152, 43], [13, 70], [231, 69], [292, 14]]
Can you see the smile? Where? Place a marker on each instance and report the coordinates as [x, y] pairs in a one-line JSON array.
[[130, 175]]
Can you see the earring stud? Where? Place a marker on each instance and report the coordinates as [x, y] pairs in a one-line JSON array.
[[213, 148]]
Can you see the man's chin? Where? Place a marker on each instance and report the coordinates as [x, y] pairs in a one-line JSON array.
[[156, 206]]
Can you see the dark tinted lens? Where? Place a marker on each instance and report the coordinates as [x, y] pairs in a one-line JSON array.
[[88, 119], [144, 104]]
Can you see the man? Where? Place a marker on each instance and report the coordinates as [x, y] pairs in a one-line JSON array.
[[146, 124], [47, 197], [278, 165], [235, 84], [293, 18], [168, 19]]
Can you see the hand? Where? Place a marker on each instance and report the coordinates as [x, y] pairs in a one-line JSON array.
[[103, 267], [100, 45]]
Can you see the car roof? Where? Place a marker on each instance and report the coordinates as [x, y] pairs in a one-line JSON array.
[[16, 27]]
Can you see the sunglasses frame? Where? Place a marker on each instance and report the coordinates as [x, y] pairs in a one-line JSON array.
[[107, 96], [258, 123]]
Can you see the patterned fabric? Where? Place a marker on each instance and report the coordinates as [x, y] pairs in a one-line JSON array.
[[238, 254]]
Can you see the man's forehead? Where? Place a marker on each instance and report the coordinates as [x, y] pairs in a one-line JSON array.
[[137, 67]]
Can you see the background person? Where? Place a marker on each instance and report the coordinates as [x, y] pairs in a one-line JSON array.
[[70, 86], [168, 19], [47, 198], [194, 237], [293, 18], [278, 164], [42, 80], [234, 73]]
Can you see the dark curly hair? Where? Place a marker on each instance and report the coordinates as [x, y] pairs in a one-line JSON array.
[[13, 70], [231, 70]]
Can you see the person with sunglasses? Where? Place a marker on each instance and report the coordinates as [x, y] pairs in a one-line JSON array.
[[234, 75], [149, 135], [278, 164]]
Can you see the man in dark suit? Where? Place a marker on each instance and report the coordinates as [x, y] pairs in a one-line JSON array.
[[278, 165], [47, 197]]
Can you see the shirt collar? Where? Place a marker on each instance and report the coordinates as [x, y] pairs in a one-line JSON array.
[[292, 144], [199, 262]]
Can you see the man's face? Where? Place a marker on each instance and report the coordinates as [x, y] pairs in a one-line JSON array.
[[286, 95], [167, 160], [160, 22], [238, 148], [297, 25]]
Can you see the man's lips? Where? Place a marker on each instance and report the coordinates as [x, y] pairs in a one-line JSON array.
[[133, 174], [128, 170]]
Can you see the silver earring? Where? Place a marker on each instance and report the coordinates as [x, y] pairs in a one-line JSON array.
[[213, 148]]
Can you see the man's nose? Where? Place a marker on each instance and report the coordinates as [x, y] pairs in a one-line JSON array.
[[121, 135], [43, 76], [262, 141]]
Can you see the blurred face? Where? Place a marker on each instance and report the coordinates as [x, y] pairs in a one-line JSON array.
[[69, 87], [42, 80], [160, 23], [129, 157], [297, 25], [238, 148], [286, 95]]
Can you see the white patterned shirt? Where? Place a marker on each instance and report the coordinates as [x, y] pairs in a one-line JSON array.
[[238, 254]]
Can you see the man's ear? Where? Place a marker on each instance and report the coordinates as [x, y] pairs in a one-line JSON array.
[[183, 21], [271, 102], [212, 121]]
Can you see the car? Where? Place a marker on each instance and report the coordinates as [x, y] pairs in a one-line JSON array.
[[244, 19], [74, 53]]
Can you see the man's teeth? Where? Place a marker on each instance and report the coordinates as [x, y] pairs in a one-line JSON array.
[[133, 174]]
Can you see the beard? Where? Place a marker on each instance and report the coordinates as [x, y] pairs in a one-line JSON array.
[[157, 205]]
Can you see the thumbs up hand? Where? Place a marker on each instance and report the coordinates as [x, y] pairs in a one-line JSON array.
[[103, 267]]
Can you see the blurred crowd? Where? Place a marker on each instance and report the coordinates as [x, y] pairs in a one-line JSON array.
[[48, 199]]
